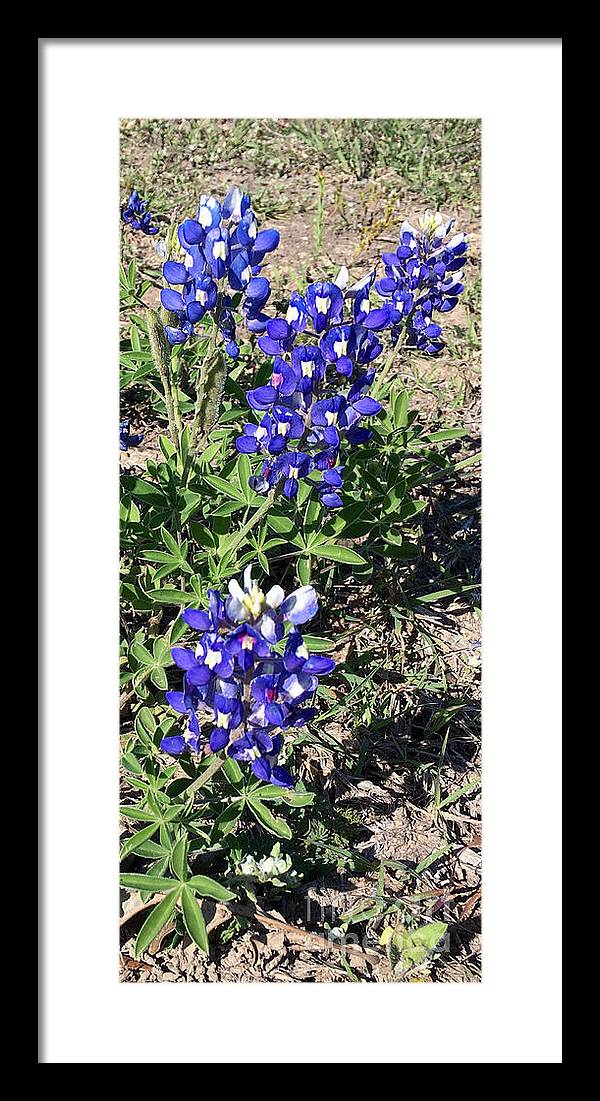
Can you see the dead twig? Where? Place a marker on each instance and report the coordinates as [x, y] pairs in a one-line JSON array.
[[292, 932]]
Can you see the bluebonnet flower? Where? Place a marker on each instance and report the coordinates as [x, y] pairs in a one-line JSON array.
[[262, 751], [422, 276], [338, 346], [332, 481], [217, 252], [246, 645], [272, 433], [229, 715], [297, 313], [136, 215], [209, 212], [279, 337], [257, 294], [325, 304], [309, 368], [209, 659], [333, 415], [235, 204], [277, 694], [221, 247], [126, 438], [211, 620], [295, 465], [299, 443], [282, 384], [185, 702], [296, 657], [269, 610], [360, 293], [235, 682]]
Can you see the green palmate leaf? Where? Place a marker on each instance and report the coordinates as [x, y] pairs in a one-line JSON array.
[[229, 489], [161, 557], [194, 919], [153, 883], [159, 678], [408, 509], [304, 490], [179, 858], [281, 524], [272, 793], [209, 888], [313, 511], [137, 814], [191, 503], [146, 719], [400, 409], [178, 629], [141, 654], [336, 553], [161, 651], [299, 798], [244, 470], [205, 458], [151, 850], [184, 442], [166, 447], [278, 826], [303, 569], [228, 818], [144, 491], [128, 511], [156, 920], [131, 763], [171, 812], [137, 839], [317, 645], [202, 535], [170, 596], [447, 434], [232, 771]]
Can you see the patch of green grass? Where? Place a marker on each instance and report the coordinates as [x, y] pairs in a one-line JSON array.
[[438, 157], [173, 160]]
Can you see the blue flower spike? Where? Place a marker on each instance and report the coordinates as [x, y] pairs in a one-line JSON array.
[[136, 215], [236, 684], [331, 335], [221, 250], [126, 438]]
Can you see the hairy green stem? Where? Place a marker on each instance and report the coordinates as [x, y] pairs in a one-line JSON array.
[[201, 394], [161, 355], [385, 372], [254, 519], [207, 775]]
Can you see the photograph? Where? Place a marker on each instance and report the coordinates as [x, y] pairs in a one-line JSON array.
[[300, 623]]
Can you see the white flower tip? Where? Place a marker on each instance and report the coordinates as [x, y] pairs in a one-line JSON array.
[[342, 277], [275, 596], [236, 590]]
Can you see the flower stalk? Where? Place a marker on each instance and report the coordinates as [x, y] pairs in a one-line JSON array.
[[161, 355]]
